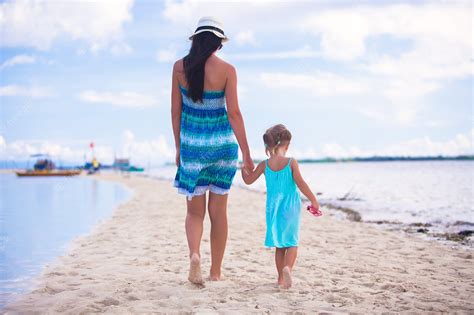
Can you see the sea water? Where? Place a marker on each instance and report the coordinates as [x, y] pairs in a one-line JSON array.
[[440, 193], [39, 216]]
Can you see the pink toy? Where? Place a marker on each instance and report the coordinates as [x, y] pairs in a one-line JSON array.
[[314, 211]]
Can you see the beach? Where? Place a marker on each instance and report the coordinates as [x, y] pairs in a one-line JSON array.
[[136, 261]]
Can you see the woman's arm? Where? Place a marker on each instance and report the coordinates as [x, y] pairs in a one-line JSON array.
[[300, 182], [235, 117], [253, 175], [176, 111]]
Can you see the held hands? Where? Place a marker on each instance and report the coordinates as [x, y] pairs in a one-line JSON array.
[[248, 164]]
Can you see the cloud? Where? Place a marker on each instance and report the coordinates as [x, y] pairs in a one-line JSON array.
[[167, 55], [123, 99], [404, 52], [120, 48], [154, 151], [32, 23], [344, 31], [246, 38], [18, 60], [337, 151], [253, 14], [32, 92], [146, 150], [158, 150], [461, 144], [440, 50], [304, 52], [22, 149], [320, 83]]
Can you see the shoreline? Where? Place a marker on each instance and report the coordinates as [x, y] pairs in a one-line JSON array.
[[30, 280], [136, 261], [463, 238]]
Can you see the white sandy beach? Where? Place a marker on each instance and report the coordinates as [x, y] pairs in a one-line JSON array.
[[136, 262]]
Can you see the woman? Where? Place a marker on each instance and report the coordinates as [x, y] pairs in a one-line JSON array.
[[207, 137]]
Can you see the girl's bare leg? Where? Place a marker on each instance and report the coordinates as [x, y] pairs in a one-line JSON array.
[[218, 213], [290, 259], [280, 263], [194, 227]]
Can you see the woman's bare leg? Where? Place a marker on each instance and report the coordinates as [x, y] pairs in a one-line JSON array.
[[280, 262], [218, 213], [194, 227]]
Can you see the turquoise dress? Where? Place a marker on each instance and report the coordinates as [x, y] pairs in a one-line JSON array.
[[283, 208], [208, 146]]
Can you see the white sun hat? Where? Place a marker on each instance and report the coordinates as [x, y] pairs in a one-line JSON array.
[[210, 24]]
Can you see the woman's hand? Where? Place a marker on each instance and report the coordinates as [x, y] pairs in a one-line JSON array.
[[177, 157], [248, 163]]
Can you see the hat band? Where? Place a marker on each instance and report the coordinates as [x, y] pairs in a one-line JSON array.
[[210, 28]]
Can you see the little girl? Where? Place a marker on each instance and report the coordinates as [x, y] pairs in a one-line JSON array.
[[283, 205]]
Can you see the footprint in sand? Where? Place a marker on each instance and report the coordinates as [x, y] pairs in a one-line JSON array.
[[132, 298], [393, 287], [332, 298], [48, 289], [109, 301]]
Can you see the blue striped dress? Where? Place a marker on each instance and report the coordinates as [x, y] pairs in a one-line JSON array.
[[208, 147]]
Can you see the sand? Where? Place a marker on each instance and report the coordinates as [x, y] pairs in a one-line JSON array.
[[136, 261]]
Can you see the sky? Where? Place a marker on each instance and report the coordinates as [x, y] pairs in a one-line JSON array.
[[347, 78]]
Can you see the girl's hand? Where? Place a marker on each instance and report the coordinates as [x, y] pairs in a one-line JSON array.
[[314, 209], [315, 205], [251, 176]]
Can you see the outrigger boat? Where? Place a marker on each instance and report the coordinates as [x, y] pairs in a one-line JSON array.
[[48, 173], [44, 166]]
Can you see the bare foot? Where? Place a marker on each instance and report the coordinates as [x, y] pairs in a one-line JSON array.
[[195, 270], [287, 281], [214, 276]]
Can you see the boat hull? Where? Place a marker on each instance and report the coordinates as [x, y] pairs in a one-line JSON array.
[[48, 173]]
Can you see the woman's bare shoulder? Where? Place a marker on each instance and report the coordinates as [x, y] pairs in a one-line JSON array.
[[222, 64], [178, 65]]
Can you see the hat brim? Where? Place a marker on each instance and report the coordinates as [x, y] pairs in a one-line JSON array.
[[224, 38]]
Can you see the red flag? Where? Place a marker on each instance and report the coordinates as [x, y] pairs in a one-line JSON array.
[[91, 145]]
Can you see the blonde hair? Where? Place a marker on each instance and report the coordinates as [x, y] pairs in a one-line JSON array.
[[274, 137]]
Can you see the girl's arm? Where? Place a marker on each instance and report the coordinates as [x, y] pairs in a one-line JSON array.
[[235, 117], [176, 111], [253, 175], [300, 182]]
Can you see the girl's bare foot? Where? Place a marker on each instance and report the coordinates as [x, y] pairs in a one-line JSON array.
[[280, 281], [195, 270], [287, 281]]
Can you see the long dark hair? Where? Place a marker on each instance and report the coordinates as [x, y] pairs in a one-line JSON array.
[[204, 44]]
